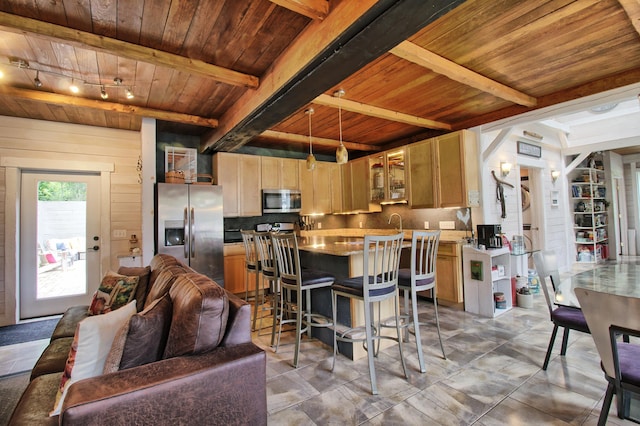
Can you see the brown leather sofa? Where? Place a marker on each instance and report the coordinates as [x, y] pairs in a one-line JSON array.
[[223, 385]]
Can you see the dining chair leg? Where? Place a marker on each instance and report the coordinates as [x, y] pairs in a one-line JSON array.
[[334, 311], [406, 314], [255, 302], [550, 348], [299, 315], [370, 346], [416, 331], [404, 364], [565, 341], [307, 310], [276, 311], [435, 306], [606, 405], [283, 308]]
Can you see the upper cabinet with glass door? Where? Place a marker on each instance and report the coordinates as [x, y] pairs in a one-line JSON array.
[[388, 177]]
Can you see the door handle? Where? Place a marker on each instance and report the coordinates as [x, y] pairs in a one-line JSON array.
[[192, 234], [185, 243]]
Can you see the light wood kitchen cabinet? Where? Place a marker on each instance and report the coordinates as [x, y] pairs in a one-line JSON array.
[[240, 178], [449, 273], [315, 188], [387, 177], [235, 274], [336, 187], [444, 171], [280, 173], [355, 186]]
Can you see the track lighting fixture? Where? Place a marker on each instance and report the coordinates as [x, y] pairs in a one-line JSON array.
[[74, 88], [129, 93], [103, 93], [36, 81]]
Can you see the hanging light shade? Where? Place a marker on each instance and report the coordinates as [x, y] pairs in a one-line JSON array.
[[311, 160], [342, 156]]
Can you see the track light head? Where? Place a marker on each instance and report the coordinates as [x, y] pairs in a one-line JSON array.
[[103, 93], [36, 81], [129, 94]]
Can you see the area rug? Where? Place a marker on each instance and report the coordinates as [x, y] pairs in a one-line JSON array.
[[26, 332], [12, 387]]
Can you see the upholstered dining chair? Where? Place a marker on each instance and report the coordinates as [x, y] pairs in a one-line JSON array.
[[421, 276], [251, 262], [378, 283], [299, 283], [609, 316], [269, 269], [570, 318]]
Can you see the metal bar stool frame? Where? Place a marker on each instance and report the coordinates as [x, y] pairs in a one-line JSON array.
[[420, 277], [252, 266], [269, 268], [293, 278], [378, 283]]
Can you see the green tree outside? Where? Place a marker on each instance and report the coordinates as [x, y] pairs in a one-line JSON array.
[[62, 191]]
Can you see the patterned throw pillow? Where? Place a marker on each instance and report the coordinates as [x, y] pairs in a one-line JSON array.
[[91, 344], [114, 291]]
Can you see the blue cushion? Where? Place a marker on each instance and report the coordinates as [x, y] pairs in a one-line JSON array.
[[354, 286], [311, 277], [404, 279]]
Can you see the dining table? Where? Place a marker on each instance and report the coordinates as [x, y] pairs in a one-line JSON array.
[[614, 278]]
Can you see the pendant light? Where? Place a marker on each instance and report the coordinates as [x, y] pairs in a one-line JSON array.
[[342, 156], [311, 160]]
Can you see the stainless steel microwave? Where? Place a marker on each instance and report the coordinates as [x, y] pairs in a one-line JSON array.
[[281, 201]]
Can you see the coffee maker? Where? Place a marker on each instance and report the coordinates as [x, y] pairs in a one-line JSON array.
[[490, 236]]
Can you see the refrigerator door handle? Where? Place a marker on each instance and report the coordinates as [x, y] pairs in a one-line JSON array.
[[192, 234], [186, 234]]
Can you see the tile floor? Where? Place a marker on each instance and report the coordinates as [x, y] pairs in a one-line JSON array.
[[492, 376]]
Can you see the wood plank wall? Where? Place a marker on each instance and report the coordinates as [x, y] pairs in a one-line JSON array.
[[50, 142]]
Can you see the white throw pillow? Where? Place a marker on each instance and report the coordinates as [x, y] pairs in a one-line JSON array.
[[92, 343]]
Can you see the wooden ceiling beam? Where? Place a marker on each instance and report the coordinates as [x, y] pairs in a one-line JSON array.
[[60, 34], [56, 99], [427, 59], [599, 86], [302, 139], [385, 114], [326, 52], [632, 9], [314, 9]]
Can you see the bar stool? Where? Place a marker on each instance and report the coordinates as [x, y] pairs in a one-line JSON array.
[[301, 281], [269, 268], [251, 263], [379, 282], [420, 277]]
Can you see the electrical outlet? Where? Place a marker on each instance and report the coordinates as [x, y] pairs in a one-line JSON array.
[[426, 224], [119, 233], [447, 224], [319, 225], [360, 224]]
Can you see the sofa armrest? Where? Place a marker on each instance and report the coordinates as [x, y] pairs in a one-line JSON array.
[[224, 386]]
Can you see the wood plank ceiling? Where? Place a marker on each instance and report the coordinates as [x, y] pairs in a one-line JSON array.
[[243, 72]]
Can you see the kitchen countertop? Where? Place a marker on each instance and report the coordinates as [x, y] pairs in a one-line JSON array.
[[450, 236], [334, 245]]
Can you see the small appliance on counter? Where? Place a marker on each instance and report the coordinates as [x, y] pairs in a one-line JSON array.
[[490, 236], [275, 227]]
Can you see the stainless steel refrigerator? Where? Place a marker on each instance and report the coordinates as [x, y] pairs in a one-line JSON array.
[[189, 226]]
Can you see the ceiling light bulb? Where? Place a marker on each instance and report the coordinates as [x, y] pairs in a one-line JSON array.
[[129, 94], [36, 81], [1, 74], [103, 93], [73, 87]]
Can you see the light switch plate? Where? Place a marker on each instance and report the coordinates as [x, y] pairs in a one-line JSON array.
[[119, 233], [447, 224]]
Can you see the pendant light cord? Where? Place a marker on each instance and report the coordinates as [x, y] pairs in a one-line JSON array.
[[309, 112]]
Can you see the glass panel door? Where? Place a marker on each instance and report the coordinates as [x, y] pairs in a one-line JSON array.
[[59, 242]]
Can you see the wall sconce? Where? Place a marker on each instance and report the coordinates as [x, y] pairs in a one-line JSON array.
[[505, 168], [555, 174]]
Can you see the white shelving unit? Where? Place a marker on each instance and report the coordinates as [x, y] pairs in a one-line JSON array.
[[486, 272], [588, 192]]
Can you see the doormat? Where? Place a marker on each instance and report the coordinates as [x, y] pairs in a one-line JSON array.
[[26, 332]]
